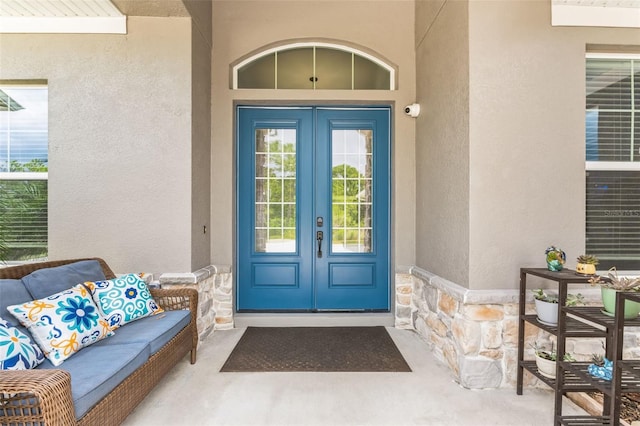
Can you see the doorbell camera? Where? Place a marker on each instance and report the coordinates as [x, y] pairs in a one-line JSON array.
[[412, 110]]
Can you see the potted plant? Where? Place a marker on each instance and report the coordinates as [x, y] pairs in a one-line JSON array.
[[587, 264], [612, 284], [547, 305], [546, 360], [555, 258]]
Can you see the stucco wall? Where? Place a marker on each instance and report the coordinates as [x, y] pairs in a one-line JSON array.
[[201, 137], [512, 153], [442, 139], [386, 29], [527, 149], [200, 11], [119, 140]]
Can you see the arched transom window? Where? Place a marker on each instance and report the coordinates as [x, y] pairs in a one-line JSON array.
[[313, 65]]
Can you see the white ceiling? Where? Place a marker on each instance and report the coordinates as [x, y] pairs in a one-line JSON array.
[[55, 16], [599, 3], [40, 8], [596, 13]]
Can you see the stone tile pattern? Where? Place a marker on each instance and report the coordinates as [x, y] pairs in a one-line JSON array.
[[475, 334], [215, 302], [404, 305]]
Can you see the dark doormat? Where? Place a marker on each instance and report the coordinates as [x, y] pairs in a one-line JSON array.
[[315, 349]]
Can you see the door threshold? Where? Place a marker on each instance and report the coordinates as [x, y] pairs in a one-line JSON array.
[[324, 319]]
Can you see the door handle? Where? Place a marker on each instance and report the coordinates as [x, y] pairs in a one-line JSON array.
[[319, 238]]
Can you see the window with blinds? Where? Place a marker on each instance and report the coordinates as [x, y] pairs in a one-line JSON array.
[[612, 129], [23, 172]]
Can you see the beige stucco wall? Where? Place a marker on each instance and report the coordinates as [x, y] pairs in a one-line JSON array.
[[119, 140], [201, 135], [200, 12], [527, 148], [442, 139], [525, 144], [240, 27]]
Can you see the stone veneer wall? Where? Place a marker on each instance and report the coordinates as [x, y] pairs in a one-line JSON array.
[[475, 332], [215, 301]]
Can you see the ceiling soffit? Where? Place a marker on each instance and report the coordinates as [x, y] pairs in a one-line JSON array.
[[81, 16], [61, 16], [596, 13]]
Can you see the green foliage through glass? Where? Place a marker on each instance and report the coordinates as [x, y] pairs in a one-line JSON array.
[[23, 219]]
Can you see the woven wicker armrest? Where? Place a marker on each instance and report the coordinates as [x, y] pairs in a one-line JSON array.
[[172, 299], [36, 397]]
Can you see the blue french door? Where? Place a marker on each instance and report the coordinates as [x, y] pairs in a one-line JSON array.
[[313, 209]]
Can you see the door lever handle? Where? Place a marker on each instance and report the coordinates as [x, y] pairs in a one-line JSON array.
[[319, 238]]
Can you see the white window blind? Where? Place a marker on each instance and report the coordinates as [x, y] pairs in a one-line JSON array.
[[612, 129]]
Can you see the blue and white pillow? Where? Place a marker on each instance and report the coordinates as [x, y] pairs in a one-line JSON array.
[[63, 323], [17, 351], [123, 299]]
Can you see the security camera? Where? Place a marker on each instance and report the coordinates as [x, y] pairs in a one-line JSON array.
[[412, 110]]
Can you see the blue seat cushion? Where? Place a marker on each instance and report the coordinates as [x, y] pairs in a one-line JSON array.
[[48, 281], [97, 370], [155, 330]]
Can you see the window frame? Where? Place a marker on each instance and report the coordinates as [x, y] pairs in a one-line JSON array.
[[28, 176], [311, 44], [616, 166]]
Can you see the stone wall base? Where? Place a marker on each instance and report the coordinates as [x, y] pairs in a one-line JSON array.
[[215, 301], [475, 332]]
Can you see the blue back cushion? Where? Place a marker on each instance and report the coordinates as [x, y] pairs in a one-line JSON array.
[[12, 292], [45, 282]]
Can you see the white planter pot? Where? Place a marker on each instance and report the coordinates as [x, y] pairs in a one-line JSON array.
[[547, 312], [546, 367]]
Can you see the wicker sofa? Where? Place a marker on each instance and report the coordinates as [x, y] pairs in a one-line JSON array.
[[44, 396]]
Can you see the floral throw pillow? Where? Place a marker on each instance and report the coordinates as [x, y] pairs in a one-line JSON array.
[[123, 299], [17, 351], [63, 323]]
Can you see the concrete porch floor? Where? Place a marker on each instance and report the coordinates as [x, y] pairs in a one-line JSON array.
[[200, 395]]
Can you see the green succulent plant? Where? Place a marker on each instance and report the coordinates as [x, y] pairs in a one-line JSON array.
[[551, 355], [572, 299], [589, 259], [615, 282], [597, 359]]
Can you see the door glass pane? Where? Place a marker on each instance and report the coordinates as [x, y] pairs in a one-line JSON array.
[[368, 75], [295, 68], [275, 185], [333, 69], [259, 74], [351, 199]]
